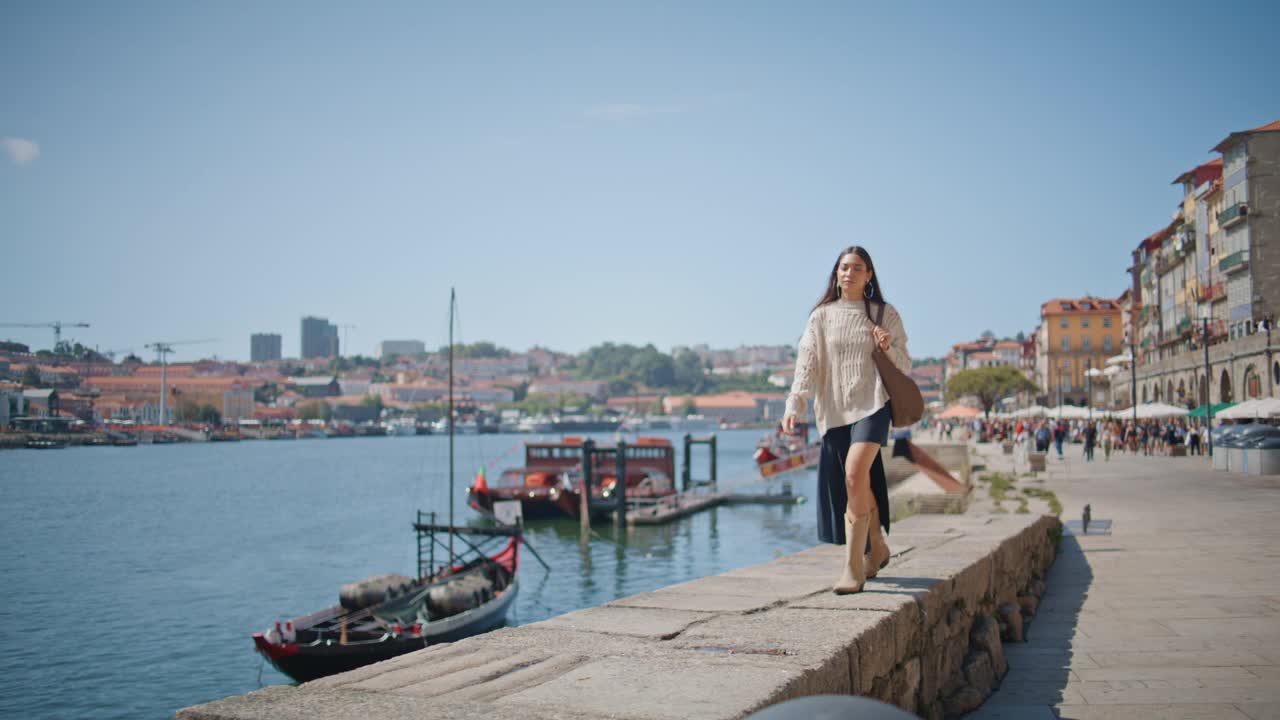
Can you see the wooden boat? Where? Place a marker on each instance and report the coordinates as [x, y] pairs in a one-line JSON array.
[[548, 484], [780, 453], [389, 615]]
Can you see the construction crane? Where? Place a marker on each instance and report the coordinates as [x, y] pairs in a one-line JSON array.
[[57, 326], [163, 349]]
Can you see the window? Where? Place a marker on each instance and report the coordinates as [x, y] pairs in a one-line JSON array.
[[1106, 321], [1062, 323], [1084, 322], [1084, 343], [1066, 344], [1106, 343]]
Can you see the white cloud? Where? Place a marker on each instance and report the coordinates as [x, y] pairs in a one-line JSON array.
[[21, 152], [625, 111]]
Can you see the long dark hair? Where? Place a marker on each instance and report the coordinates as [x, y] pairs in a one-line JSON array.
[[830, 296]]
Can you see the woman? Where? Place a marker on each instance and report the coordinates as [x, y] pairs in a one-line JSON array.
[[834, 366]]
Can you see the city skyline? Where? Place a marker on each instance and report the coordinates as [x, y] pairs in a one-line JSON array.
[[665, 175]]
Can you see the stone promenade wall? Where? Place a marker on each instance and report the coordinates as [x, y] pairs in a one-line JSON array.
[[925, 635]]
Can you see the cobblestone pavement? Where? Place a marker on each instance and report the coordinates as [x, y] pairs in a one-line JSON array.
[[1172, 612]]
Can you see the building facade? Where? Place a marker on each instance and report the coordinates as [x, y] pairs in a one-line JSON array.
[[1212, 278], [1075, 335], [389, 349], [319, 338], [264, 347]]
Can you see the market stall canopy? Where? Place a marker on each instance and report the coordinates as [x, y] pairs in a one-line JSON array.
[[1158, 410], [1217, 410]]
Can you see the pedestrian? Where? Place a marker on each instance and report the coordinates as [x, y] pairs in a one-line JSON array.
[[1107, 439], [1193, 441], [1059, 434], [1090, 439], [851, 404]]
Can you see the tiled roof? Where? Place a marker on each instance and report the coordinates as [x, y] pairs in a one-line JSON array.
[[1201, 173], [1233, 137]]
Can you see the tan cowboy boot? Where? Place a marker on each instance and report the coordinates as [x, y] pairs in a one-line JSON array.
[[879, 555], [855, 573]]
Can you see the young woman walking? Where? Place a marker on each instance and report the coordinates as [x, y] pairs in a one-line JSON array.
[[850, 403]]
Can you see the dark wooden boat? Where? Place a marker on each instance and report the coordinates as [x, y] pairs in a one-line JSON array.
[[549, 483], [389, 615]]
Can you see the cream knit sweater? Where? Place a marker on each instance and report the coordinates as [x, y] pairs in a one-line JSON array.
[[834, 365]]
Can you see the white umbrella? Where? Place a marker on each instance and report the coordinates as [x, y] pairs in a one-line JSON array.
[[1120, 359], [1068, 412], [1244, 411], [1113, 370], [1158, 410]]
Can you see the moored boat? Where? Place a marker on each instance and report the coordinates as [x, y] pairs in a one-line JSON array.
[[389, 615], [548, 485], [780, 453]]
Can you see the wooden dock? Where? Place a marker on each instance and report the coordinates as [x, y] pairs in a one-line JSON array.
[[674, 507]]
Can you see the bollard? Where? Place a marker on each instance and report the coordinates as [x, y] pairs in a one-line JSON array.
[[713, 462], [584, 491], [686, 471], [620, 454]]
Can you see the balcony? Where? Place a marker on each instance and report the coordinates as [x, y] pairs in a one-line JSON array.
[[1233, 262], [1233, 215], [1213, 291]]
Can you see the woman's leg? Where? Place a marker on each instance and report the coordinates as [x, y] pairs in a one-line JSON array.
[[857, 515], [857, 477]]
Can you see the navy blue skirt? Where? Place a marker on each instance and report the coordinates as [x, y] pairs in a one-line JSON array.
[[833, 496]]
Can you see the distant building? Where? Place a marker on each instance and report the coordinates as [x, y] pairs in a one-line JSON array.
[[264, 347], [319, 338], [388, 349], [315, 387], [1075, 335], [237, 403]]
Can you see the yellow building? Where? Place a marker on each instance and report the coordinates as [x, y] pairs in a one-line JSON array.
[[1076, 335]]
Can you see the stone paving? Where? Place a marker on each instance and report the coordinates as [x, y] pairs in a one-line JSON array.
[[1173, 614]]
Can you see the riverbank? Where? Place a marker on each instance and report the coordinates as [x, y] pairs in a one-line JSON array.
[[923, 636]]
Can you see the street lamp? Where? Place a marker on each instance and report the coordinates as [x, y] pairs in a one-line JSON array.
[[1133, 378], [1266, 323], [1088, 386], [1205, 312]]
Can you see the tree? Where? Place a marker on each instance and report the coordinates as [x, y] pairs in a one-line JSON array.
[[315, 410], [988, 384], [31, 376], [209, 415], [482, 349]]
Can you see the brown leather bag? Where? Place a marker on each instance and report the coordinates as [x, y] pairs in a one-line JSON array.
[[906, 404]]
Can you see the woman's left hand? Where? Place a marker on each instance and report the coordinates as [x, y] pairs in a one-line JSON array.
[[882, 337]]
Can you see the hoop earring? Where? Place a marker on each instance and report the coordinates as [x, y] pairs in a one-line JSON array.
[[838, 291], [868, 292]]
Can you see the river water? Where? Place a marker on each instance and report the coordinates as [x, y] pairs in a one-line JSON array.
[[133, 577]]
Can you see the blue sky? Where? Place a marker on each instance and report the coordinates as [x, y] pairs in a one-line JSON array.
[[653, 172]]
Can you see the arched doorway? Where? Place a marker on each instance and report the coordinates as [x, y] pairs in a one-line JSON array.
[[1252, 383], [1168, 391], [1204, 390], [1182, 391], [1144, 393], [1224, 388]]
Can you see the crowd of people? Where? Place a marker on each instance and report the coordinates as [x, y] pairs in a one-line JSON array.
[[1048, 435]]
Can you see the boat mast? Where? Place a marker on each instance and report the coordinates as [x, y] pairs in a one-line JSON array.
[[452, 301]]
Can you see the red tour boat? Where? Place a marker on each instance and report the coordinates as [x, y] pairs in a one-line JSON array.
[[548, 484]]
